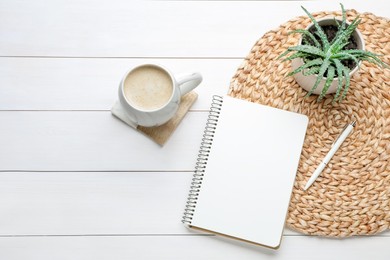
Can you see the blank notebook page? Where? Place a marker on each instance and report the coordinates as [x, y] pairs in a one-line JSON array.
[[250, 172]]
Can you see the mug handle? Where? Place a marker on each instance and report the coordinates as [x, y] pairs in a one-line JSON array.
[[188, 82]]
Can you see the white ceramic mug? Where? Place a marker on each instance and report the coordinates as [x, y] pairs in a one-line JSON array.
[[150, 95]]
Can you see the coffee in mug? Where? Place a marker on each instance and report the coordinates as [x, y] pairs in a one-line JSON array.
[[150, 95], [148, 88]]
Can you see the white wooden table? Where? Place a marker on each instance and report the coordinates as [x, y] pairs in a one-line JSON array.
[[75, 182]]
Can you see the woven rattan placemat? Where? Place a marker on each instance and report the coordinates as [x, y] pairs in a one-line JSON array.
[[352, 195]]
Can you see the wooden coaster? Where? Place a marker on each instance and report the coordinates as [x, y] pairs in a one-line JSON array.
[[160, 134], [352, 194]]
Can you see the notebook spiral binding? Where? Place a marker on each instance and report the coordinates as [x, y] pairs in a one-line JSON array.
[[201, 162]]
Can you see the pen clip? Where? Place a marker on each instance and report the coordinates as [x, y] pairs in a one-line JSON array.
[[342, 131]]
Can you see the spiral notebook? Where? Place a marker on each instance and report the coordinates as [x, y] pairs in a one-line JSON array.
[[245, 171]]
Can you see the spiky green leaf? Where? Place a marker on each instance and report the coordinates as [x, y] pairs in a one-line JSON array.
[[321, 33], [340, 47], [296, 55], [364, 55], [345, 34], [345, 56], [339, 70], [308, 49], [308, 34], [318, 61], [375, 61], [341, 27], [311, 71], [347, 82], [362, 52], [321, 73], [328, 82]]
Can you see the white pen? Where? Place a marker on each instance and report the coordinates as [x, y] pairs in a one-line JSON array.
[[346, 131]]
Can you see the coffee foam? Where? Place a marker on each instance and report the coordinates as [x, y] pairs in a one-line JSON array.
[[148, 88]]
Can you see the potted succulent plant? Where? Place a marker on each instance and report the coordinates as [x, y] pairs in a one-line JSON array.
[[327, 55]]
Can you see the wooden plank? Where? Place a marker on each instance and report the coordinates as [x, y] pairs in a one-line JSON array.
[[188, 247], [119, 28], [95, 203], [92, 141], [92, 84], [78, 203]]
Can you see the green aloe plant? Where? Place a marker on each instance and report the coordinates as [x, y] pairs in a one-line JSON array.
[[325, 58]]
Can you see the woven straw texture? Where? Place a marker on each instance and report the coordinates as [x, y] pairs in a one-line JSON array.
[[352, 195]]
